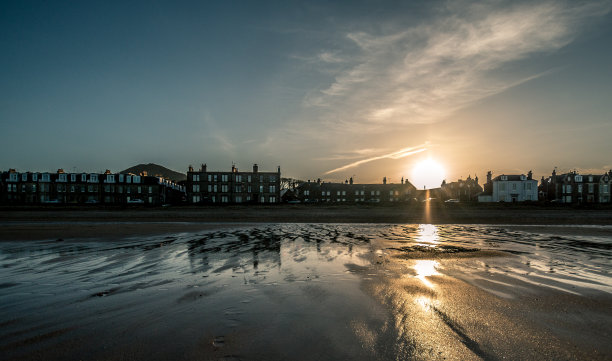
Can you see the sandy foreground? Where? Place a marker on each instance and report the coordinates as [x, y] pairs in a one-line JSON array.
[[230, 285]]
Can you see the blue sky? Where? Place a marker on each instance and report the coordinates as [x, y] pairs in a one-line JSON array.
[[356, 88]]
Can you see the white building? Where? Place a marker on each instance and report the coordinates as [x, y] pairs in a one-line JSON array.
[[510, 188]]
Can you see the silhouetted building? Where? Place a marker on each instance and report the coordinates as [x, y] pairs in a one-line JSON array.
[[236, 187], [575, 188], [509, 188], [462, 190], [350, 192]]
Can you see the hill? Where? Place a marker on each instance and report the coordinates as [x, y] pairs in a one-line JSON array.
[[156, 170]]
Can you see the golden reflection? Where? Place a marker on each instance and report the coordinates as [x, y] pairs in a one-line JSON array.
[[428, 235], [426, 268]]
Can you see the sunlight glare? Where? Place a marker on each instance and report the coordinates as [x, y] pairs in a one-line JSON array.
[[427, 173]]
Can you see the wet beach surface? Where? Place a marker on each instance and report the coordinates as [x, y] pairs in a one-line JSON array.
[[311, 291]]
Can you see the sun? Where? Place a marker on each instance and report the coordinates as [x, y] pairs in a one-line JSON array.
[[427, 174]]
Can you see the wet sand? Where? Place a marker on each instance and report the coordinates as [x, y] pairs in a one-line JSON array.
[[230, 291]]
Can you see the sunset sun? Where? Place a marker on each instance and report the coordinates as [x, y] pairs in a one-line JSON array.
[[427, 173]]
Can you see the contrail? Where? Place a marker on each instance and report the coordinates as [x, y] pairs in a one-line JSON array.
[[395, 155]]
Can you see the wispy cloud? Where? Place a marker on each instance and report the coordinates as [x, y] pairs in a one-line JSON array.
[[425, 73], [405, 152]]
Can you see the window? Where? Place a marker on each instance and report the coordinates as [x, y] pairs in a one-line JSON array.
[[337, 193], [249, 178], [128, 190], [120, 189], [136, 179], [260, 189], [151, 189], [150, 199], [224, 178], [107, 189], [195, 188], [528, 186], [121, 178], [224, 188], [513, 186], [590, 178], [372, 193], [238, 199], [356, 193], [45, 177], [110, 178], [504, 177], [272, 189], [224, 199], [196, 177], [377, 193], [605, 188], [390, 193], [306, 192], [272, 179], [502, 187], [13, 177], [272, 199], [139, 189], [343, 193], [73, 177], [215, 177], [210, 177], [238, 178], [261, 179], [24, 177], [90, 188], [196, 199], [568, 188], [210, 188], [128, 179], [249, 189], [579, 188], [215, 188], [362, 193], [578, 178], [72, 189], [35, 177], [238, 189], [262, 199]]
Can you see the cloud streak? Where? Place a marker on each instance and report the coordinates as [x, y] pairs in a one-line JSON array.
[[402, 153], [422, 74]]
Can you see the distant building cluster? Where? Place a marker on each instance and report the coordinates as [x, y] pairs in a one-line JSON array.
[[87, 188], [264, 187]]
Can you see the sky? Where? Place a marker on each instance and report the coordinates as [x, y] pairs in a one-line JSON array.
[[330, 90]]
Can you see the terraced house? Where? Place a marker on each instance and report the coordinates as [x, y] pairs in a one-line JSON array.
[[575, 188], [86, 188], [351, 193], [233, 187]]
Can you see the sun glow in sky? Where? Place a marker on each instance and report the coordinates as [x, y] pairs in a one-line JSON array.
[[427, 173]]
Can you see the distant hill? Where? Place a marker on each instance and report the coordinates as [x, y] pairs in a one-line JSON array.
[[156, 170]]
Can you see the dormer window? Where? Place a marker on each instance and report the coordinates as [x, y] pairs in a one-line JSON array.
[[523, 177], [35, 177], [590, 178], [61, 177], [120, 178], [45, 177], [83, 177], [578, 178], [136, 179], [14, 177], [24, 177], [110, 178], [504, 178], [128, 179], [73, 177], [93, 178]]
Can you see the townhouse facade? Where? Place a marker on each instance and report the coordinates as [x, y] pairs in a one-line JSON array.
[[510, 188], [233, 187], [575, 188], [351, 193], [86, 188]]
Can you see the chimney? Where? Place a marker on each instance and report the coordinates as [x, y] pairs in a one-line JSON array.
[[346, 181], [489, 177], [530, 175], [318, 180], [255, 168], [402, 180], [190, 168], [384, 180], [233, 168], [105, 172], [203, 168], [351, 180], [279, 169], [60, 171]]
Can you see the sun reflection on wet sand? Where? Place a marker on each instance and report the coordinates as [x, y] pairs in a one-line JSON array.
[[428, 235], [426, 268]]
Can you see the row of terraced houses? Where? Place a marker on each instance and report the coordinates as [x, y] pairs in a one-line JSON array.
[[256, 187]]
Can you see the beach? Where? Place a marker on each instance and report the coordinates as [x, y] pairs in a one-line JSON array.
[[336, 283]]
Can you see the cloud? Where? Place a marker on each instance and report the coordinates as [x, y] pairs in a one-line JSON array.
[[402, 153], [424, 73]]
